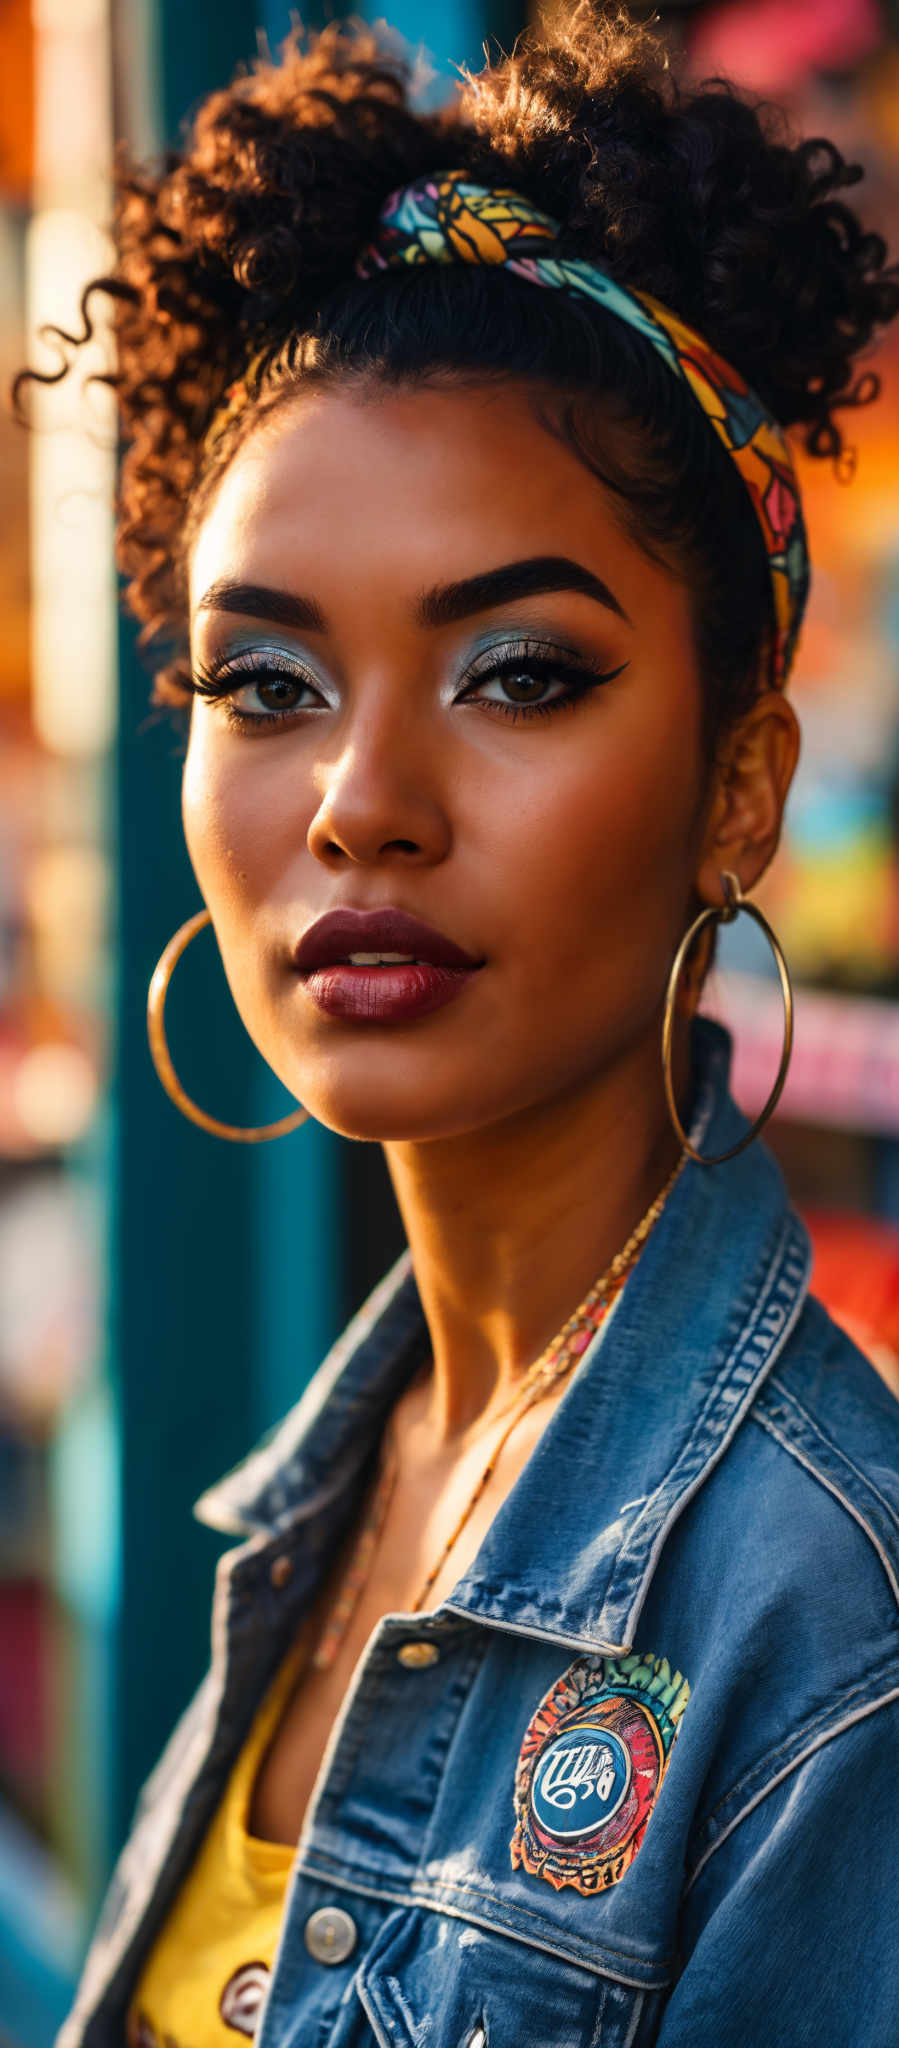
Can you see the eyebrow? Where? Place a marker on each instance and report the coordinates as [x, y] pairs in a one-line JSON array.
[[442, 606], [256, 601], [451, 601]]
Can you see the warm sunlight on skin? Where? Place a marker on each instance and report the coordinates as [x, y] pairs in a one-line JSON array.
[[559, 847], [524, 1121]]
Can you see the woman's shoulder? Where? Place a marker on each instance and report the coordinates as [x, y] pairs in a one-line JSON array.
[[836, 1422], [797, 1525], [783, 1574]]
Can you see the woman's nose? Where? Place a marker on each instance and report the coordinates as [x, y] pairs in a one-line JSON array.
[[380, 801]]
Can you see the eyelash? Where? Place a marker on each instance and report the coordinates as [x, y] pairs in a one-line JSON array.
[[217, 683]]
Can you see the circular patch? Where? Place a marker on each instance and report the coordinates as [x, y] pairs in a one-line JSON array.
[[580, 1781], [590, 1767]]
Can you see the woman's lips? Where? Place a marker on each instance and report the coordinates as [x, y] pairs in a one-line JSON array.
[[377, 995], [341, 958]]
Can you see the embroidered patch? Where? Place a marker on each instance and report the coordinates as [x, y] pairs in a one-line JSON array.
[[590, 1768]]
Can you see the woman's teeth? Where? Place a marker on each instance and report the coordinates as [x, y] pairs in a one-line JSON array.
[[382, 959]]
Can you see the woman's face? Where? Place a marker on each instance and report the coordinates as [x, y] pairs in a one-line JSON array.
[[449, 751]]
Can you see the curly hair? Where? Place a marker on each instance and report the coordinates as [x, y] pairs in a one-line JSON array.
[[241, 249]]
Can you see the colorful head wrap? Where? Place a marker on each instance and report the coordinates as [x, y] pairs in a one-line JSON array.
[[446, 218]]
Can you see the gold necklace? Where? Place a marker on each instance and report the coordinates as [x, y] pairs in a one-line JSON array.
[[552, 1365]]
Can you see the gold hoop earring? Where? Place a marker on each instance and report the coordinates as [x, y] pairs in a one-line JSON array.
[[734, 902], [162, 1059]]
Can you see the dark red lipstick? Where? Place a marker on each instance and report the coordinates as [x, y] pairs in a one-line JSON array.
[[378, 966]]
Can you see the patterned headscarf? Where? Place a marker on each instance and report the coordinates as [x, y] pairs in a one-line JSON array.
[[446, 218]]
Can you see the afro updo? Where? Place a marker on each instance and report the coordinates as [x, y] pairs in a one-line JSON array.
[[243, 245]]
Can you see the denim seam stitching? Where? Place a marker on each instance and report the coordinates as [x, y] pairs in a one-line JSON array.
[[631, 2034], [809, 1727], [731, 1358], [371, 2012], [779, 1261], [744, 1408], [371, 2006], [788, 1395], [861, 1713], [830, 1485], [412, 1895], [489, 1898], [599, 2014], [596, 1646]]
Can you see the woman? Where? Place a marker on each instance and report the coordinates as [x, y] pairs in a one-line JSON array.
[[556, 1685]]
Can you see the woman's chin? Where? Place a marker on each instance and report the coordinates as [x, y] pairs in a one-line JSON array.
[[384, 1117], [383, 1126]]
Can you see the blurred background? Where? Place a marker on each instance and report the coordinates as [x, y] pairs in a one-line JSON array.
[[165, 1296]]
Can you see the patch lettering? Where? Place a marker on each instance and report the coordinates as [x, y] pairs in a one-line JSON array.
[[590, 1768]]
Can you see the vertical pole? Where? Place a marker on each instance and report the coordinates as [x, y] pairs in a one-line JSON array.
[[185, 1282]]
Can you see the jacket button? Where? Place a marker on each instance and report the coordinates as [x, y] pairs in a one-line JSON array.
[[330, 1934], [417, 1656], [280, 1571]]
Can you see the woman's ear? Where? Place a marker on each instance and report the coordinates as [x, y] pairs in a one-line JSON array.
[[753, 773]]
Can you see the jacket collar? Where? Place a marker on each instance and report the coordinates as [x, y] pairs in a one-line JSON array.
[[649, 1411]]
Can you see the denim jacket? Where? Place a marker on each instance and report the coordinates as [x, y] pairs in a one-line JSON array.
[[635, 1780]]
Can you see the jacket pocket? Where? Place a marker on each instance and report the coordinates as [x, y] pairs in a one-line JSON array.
[[430, 1979]]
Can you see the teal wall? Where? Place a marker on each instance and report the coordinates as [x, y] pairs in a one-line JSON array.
[[450, 33], [224, 1258]]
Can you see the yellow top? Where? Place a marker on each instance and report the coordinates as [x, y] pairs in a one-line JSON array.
[[204, 1981]]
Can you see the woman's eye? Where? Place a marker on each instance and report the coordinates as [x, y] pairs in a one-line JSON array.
[[277, 693], [538, 683], [259, 692], [521, 686], [280, 691]]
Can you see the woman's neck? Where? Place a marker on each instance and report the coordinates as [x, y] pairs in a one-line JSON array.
[[509, 1227]]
